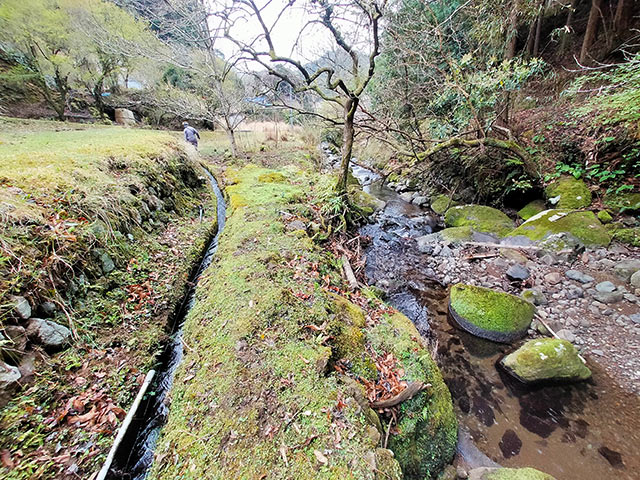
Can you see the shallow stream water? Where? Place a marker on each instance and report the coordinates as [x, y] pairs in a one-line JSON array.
[[135, 455], [589, 430]]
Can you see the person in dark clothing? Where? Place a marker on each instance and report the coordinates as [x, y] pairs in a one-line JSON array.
[[191, 135]]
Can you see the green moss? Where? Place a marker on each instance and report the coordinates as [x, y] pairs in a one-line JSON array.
[[481, 218], [604, 216], [517, 474], [387, 466], [491, 314], [630, 236], [272, 177], [427, 424], [531, 209], [623, 201], [570, 193], [441, 203], [582, 225], [456, 234], [546, 359], [366, 202]]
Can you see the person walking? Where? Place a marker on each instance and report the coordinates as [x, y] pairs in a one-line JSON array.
[[191, 135]]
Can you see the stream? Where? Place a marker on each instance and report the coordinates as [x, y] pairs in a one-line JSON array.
[[135, 454], [573, 432]]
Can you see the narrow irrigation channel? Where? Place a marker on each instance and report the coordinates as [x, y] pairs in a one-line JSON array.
[[135, 454]]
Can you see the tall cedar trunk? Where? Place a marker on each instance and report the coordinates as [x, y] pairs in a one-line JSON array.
[[536, 43], [568, 25], [348, 131], [592, 29], [622, 16], [231, 135], [531, 38], [512, 34]]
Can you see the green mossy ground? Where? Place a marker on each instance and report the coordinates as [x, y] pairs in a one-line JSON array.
[[573, 193], [68, 190], [490, 310], [582, 225], [517, 474], [630, 236], [604, 216], [427, 423], [546, 359], [480, 217], [441, 203], [531, 209], [624, 201]]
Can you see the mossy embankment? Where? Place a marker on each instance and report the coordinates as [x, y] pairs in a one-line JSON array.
[[271, 383], [100, 229]]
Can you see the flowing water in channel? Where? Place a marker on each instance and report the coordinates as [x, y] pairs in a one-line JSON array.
[[135, 454], [589, 430]]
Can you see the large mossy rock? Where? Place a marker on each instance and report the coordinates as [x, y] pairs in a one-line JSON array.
[[531, 209], [621, 202], [484, 473], [584, 226], [546, 359], [568, 192], [479, 217], [427, 425], [630, 236], [442, 203], [490, 314]]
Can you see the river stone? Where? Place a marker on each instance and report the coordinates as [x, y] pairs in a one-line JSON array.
[[479, 217], [531, 209], [50, 335], [9, 376], [624, 270], [484, 473], [609, 297], [606, 287], [535, 296], [407, 196], [420, 200], [583, 226], [635, 279], [546, 359], [490, 314], [518, 272], [21, 307], [513, 255], [566, 334], [579, 276], [553, 278], [568, 192]]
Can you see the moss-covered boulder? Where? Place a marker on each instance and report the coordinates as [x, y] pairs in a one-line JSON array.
[[604, 216], [480, 217], [630, 236], [441, 203], [490, 314], [485, 473], [546, 359], [531, 209], [623, 201], [568, 192], [427, 425], [584, 226], [366, 202]]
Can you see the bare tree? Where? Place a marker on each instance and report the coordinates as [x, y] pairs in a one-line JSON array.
[[352, 26]]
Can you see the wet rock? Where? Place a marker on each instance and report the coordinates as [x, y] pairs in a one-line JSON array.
[[21, 307], [446, 252], [420, 200], [518, 272], [566, 334], [546, 359], [427, 242], [52, 336], [635, 279], [484, 473], [407, 196], [608, 297], [548, 259], [490, 314], [479, 217], [606, 287], [534, 296], [510, 444], [624, 270], [461, 472], [47, 309], [578, 276], [568, 192], [553, 278], [9, 377]]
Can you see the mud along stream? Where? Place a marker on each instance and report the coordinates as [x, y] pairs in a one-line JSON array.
[[573, 432], [135, 455]]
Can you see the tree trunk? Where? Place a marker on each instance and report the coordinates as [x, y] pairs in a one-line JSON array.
[[231, 135], [623, 16], [512, 34], [348, 132], [531, 38], [568, 25], [592, 29], [536, 43]]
